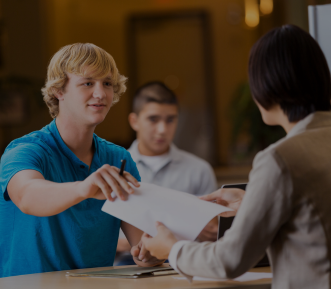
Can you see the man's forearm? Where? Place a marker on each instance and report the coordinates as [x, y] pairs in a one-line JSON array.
[[44, 198], [132, 233]]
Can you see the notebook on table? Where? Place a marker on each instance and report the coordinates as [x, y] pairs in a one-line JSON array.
[[129, 272], [225, 223]]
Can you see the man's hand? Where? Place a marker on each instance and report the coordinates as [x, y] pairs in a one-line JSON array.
[[123, 245], [106, 180], [142, 257], [230, 198], [209, 233], [161, 244]]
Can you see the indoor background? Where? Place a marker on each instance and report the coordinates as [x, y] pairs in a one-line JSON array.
[[199, 48]]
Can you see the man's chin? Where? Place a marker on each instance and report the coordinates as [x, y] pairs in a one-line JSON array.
[[96, 121], [160, 150]]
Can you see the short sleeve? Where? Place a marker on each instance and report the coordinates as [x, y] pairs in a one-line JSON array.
[[16, 158], [132, 167]]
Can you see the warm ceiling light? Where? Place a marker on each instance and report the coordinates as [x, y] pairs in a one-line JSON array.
[[266, 6], [252, 14]]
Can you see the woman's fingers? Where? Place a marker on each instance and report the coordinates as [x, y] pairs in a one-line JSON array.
[[228, 214], [211, 197]]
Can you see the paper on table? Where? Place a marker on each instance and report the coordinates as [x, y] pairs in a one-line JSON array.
[[185, 215], [248, 276]]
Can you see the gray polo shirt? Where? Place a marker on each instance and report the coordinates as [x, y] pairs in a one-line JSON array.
[[182, 171]]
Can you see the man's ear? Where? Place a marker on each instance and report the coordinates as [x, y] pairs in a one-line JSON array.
[[133, 121], [58, 94]]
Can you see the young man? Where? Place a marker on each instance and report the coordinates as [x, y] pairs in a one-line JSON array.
[[54, 181], [159, 161]]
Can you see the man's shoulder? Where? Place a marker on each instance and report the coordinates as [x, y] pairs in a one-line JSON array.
[[191, 159], [37, 140], [109, 147]]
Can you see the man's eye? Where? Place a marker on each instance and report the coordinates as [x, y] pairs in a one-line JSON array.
[[108, 83], [88, 84], [153, 119], [170, 120]]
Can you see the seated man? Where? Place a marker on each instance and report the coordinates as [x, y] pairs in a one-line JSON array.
[[159, 161], [53, 181]]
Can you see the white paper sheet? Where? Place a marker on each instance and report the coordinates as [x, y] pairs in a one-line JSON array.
[[185, 215], [248, 276]]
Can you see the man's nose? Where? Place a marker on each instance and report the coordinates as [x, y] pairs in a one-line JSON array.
[[99, 91], [161, 127]]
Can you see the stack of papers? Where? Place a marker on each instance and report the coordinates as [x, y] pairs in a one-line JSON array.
[[185, 215]]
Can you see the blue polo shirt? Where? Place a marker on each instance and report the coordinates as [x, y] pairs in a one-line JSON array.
[[80, 237]]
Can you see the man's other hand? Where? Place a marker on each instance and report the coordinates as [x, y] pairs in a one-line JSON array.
[[142, 257]]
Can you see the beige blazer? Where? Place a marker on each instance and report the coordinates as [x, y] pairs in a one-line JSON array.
[[286, 211]]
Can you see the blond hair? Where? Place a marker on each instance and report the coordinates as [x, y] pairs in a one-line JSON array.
[[80, 59]]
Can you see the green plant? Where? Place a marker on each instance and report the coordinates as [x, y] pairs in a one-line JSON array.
[[247, 121]]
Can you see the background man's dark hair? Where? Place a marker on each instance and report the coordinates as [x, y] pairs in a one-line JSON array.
[[154, 91], [287, 67]]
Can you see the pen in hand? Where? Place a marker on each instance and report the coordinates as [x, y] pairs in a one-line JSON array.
[[122, 167], [122, 171], [121, 174]]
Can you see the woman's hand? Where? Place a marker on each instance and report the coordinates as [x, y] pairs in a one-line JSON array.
[[161, 244], [230, 198], [209, 233]]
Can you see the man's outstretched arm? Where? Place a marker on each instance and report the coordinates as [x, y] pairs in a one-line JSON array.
[[34, 195]]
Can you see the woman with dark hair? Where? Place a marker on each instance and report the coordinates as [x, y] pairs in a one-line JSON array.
[[286, 207]]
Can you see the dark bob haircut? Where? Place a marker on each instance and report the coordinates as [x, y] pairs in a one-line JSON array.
[[287, 67], [154, 91]]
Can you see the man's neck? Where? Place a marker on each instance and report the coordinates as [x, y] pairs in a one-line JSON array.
[[145, 151], [77, 137]]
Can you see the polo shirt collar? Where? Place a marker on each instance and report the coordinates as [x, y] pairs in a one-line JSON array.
[[174, 153]]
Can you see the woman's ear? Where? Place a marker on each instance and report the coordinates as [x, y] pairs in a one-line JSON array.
[[133, 120]]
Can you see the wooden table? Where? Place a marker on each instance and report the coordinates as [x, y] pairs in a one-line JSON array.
[[59, 280]]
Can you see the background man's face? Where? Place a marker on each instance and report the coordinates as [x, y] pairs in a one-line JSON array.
[[155, 126], [86, 100]]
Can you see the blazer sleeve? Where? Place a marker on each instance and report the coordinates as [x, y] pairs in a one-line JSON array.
[[265, 208]]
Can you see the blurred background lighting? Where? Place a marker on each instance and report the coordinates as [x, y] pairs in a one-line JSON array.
[[266, 6], [172, 81], [252, 14]]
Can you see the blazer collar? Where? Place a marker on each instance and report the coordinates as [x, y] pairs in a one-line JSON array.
[[314, 120]]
